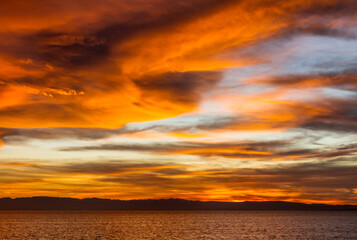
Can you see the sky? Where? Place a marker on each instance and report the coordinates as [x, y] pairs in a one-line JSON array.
[[222, 100]]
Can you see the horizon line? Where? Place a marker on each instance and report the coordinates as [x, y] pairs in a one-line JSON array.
[[189, 200]]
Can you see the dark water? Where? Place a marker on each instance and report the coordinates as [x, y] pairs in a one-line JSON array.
[[24, 225]]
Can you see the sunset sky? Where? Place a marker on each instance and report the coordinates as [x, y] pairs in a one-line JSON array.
[[226, 100]]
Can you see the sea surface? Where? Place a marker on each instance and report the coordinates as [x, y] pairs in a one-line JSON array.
[[133, 225]]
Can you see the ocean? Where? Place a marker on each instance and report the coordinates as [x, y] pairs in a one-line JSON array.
[[133, 225]]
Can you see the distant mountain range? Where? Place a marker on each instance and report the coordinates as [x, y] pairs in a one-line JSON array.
[[53, 203]]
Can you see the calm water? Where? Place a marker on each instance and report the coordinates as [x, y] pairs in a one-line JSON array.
[[167, 225]]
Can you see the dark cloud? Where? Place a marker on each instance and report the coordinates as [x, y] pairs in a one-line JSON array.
[[319, 18], [336, 8], [4, 132], [265, 150], [105, 167], [341, 118], [342, 79], [179, 146], [177, 86]]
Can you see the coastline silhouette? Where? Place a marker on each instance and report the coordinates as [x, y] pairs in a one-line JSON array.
[[55, 203]]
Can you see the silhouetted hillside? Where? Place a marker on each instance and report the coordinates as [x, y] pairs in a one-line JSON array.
[[51, 203]]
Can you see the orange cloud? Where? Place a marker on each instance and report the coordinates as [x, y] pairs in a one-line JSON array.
[[94, 70], [301, 182], [110, 61]]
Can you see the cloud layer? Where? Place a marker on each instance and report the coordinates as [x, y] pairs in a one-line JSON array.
[[268, 84]]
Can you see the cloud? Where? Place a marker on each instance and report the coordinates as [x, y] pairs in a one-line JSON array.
[[183, 124], [147, 55], [345, 79], [225, 69], [46, 64], [335, 7], [324, 181], [181, 87], [321, 181], [264, 151], [337, 112], [341, 119], [106, 167]]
